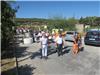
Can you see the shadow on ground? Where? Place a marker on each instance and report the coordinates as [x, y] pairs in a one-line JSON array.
[[65, 50], [36, 54], [21, 52], [23, 70], [26, 70], [82, 49], [93, 45], [9, 53]]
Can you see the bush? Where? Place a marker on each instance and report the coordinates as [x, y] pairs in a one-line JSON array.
[[7, 22]]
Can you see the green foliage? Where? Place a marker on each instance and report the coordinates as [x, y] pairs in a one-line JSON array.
[[7, 21], [93, 21], [72, 21], [90, 20], [59, 22], [97, 21], [62, 23], [92, 27], [29, 21]]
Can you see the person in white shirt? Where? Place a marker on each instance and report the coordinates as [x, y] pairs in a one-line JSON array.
[[39, 35], [44, 45], [17, 31], [24, 30], [59, 41], [47, 34]]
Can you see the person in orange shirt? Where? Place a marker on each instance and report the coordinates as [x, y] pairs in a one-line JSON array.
[[75, 47], [56, 35], [79, 41]]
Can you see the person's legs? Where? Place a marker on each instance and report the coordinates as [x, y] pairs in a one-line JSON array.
[[46, 52], [43, 52], [58, 49], [76, 49], [80, 47], [80, 44], [35, 39]]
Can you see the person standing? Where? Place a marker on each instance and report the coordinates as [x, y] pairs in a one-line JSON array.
[[17, 31], [39, 35], [79, 41], [47, 34], [32, 35], [44, 44], [75, 44], [59, 41], [36, 36], [75, 47]]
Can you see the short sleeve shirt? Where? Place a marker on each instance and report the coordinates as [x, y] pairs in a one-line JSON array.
[[59, 40], [43, 41]]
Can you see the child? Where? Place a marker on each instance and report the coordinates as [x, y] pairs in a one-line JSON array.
[[75, 47], [79, 41]]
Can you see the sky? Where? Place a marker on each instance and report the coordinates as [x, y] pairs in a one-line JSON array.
[[47, 9]]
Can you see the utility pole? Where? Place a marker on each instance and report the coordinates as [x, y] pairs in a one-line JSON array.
[[14, 48], [16, 58]]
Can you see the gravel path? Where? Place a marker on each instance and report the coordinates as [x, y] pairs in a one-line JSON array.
[[87, 62]]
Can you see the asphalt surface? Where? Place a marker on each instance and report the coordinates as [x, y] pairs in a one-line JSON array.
[[86, 62]]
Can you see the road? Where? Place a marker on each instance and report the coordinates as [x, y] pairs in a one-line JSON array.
[[87, 62]]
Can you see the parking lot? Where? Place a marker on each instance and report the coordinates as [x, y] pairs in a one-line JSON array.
[[86, 62]]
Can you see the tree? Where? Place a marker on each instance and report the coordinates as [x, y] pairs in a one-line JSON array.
[[97, 21], [72, 21], [62, 23], [93, 21], [81, 20], [7, 22], [88, 20]]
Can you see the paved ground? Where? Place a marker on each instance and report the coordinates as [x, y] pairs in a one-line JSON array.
[[87, 62]]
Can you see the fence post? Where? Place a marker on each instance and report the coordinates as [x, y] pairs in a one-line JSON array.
[[14, 47]]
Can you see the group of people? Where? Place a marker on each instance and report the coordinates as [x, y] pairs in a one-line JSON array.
[[22, 30], [43, 37], [57, 38]]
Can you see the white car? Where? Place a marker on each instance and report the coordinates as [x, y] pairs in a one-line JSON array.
[[70, 35]]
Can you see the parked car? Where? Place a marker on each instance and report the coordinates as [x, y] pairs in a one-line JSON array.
[[92, 37], [70, 35]]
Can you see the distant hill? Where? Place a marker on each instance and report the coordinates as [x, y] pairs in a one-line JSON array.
[[31, 21], [41, 21]]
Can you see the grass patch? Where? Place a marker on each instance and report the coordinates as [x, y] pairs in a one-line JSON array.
[[8, 66]]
